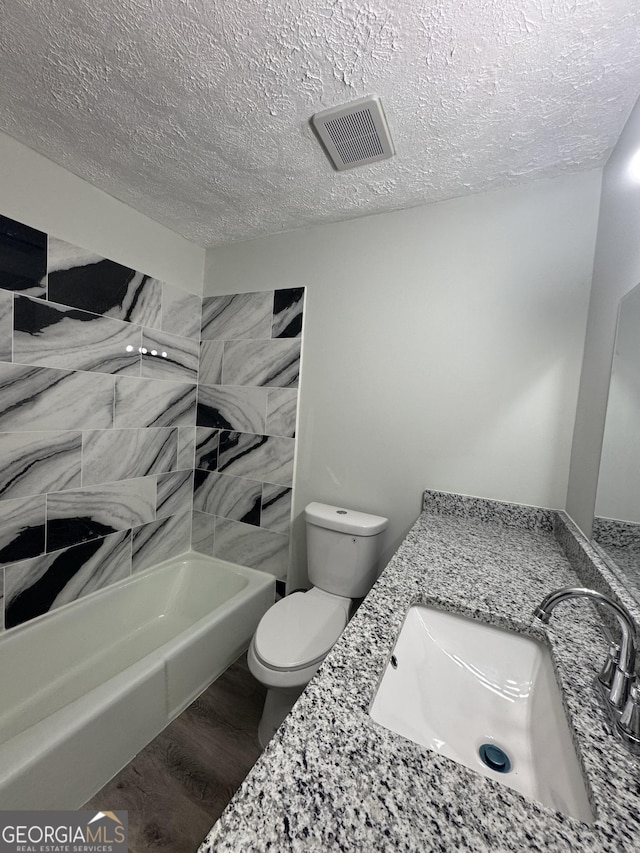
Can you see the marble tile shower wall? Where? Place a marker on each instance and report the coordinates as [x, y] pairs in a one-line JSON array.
[[245, 438], [98, 379]]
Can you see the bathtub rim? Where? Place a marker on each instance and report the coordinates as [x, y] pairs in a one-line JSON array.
[[135, 577], [23, 754]]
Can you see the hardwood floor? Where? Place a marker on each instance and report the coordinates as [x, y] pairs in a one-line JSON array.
[[177, 787]]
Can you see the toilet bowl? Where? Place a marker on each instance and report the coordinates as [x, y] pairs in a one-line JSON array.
[[297, 633], [290, 643]]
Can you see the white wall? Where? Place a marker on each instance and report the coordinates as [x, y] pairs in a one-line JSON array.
[[619, 478], [442, 346], [616, 270], [39, 193]]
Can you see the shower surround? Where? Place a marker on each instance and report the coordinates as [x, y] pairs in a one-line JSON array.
[[245, 439], [103, 423], [97, 420]]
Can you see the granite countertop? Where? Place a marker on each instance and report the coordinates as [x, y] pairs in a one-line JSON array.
[[332, 779]]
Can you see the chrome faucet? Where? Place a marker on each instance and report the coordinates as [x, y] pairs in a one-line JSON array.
[[617, 679]]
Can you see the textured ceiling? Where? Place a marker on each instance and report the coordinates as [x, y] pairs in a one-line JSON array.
[[196, 112]]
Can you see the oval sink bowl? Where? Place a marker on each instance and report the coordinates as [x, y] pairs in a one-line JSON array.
[[488, 699]]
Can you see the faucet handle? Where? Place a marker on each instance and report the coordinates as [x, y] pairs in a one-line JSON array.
[[629, 722], [605, 677]]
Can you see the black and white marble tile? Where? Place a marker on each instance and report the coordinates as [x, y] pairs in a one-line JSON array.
[[230, 407], [259, 457], [251, 343], [22, 528], [207, 448], [282, 407], [287, 312], [41, 398], [231, 497], [152, 543], [276, 508], [243, 315], [202, 529], [186, 447], [166, 356], [181, 312], [23, 258], [32, 463], [50, 335], [122, 454], [251, 546], [174, 493], [95, 511], [272, 363], [85, 280], [211, 353], [151, 402], [6, 325], [33, 587]]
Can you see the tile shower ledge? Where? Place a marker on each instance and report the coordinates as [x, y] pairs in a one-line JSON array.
[[331, 779]]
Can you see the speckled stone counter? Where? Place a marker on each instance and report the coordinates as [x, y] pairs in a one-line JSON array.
[[332, 779]]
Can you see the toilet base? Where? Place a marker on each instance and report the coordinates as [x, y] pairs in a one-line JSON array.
[[277, 705]]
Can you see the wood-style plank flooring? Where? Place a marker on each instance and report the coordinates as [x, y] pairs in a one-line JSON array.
[[177, 787]]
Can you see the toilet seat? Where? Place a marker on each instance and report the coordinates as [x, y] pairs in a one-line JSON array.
[[298, 631]]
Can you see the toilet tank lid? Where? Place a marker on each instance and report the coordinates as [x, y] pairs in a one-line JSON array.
[[344, 520]]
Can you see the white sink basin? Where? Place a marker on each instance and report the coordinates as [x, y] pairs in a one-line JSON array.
[[454, 684]]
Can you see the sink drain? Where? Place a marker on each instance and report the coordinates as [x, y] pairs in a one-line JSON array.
[[495, 758]]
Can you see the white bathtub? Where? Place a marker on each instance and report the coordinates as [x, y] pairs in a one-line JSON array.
[[86, 687]]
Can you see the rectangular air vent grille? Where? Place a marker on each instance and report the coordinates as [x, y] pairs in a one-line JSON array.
[[355, 134]]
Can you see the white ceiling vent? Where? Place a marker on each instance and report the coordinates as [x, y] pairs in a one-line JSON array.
[[355, 134]]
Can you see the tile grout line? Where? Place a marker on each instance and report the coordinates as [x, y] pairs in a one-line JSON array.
[[12, 313]]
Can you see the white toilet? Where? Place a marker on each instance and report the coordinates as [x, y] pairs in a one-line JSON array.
[[295, 635]]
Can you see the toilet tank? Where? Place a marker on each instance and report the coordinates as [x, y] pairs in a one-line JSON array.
[[343, 549]]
